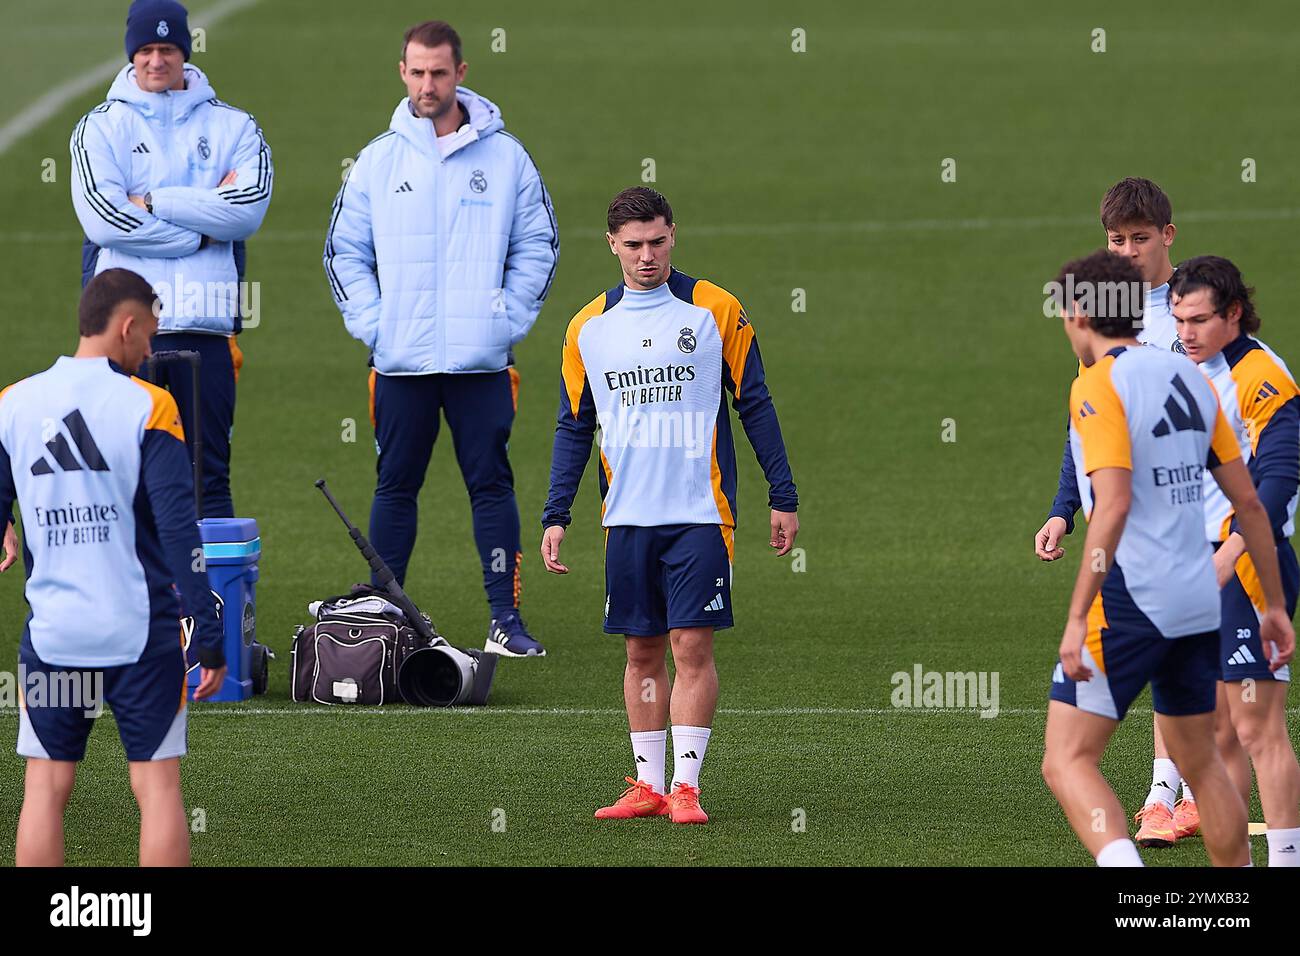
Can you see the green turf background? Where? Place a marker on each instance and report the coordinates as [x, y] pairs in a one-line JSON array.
[[817, 171]]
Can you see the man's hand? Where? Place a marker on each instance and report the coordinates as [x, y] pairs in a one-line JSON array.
[[10, 548], [1226, 558], [551, 539], [785, 525], [1047, 543], [228, 179], [1071, 651], [210, 682], [1275, 628], [138, 201]]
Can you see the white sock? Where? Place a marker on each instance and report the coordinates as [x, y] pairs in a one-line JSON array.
[[1121, 852], [1284, 847], [689, 744], [1187, 793], [1164, 783], [648, 748]]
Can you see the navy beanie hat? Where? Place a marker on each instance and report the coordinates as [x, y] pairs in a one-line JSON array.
[[157, 21]]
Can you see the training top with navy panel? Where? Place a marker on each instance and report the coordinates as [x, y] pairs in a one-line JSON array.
[[96, 460], [651, 368], [1261, 404], [1157, 614]]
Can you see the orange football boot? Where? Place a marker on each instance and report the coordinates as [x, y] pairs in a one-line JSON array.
[[684, 805], [638, 800], [1157, 826], [1187, 819]]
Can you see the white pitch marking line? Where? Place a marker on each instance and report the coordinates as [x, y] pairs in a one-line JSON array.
[[307, 710], [54, 100]]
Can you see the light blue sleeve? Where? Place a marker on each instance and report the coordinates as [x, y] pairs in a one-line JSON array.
[[350, 264], [226, 213], [533, 253], [99, 196]]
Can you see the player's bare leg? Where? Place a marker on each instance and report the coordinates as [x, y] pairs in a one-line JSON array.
[[695, 695], [1075, 740], [40, 823], [164, 828], [1261, 726], [646, 688], [1223, 814], [1234, 755]]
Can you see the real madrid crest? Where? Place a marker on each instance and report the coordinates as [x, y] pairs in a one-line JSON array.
[[162, 28], [204, 149], [686, 341], [478, 182]]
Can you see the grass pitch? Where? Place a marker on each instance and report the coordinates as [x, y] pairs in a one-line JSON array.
[[817, 171]]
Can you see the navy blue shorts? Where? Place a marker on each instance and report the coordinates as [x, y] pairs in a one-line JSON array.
[[669, 576], [60, 705], [1241, 652], [1125, 652]]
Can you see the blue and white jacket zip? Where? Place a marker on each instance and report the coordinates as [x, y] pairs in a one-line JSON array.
[[463, 247], [177, 146]]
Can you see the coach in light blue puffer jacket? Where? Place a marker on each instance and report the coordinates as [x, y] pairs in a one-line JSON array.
[[464, 246], [441, 248]]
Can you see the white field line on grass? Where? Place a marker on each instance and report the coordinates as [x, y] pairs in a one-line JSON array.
[[774, 228], [307, 710], [57, 97]]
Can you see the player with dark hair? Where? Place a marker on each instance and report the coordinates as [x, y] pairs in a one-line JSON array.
[[1144, 427], [1217, 322], [1137, 217], [651, 362], [96, 459]]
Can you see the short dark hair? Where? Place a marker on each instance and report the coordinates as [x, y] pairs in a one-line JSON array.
[[1135, 200], [108, 290], [639, 204], [1115, 287], [1225, 283], [432, 33]]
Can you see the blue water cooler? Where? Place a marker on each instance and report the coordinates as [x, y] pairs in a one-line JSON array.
[[231, 550]]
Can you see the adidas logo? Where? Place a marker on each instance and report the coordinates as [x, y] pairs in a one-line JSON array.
[[1161, 783], [1242, 656], [1267, 391], [1086, 410], [61, 451], [1289, 848], [689, 755], [140, 148], [404, 188], [715, 604], [1058, 675], [641, 759], [1180, 417]]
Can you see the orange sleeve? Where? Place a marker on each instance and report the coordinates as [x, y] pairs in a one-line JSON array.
[[1223, 444], [573, 371], [1262, 389], [733, 327], [163, 415], [1099, 418]]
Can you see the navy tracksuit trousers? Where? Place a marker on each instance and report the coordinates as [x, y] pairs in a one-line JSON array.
[[480, 410], [216, 412]]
